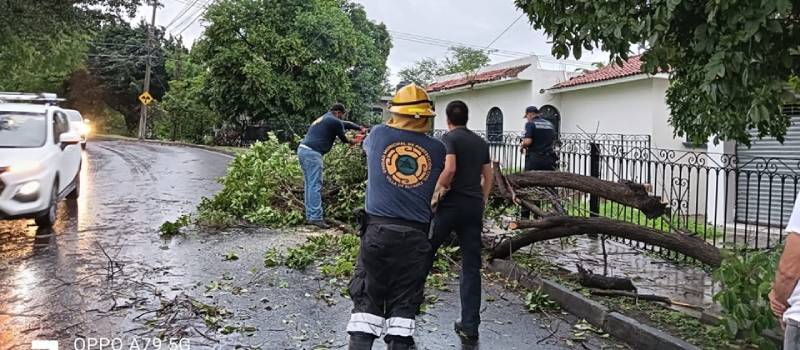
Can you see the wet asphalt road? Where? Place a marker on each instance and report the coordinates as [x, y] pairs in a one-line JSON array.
[[103, 274]]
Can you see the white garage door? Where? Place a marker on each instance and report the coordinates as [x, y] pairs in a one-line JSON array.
[[769, 175]]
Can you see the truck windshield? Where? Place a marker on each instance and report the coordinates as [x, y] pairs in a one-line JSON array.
[[20, 129]]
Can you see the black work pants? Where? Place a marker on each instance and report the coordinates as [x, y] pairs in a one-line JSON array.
[[388, 279], [464, 215], [538, 162]]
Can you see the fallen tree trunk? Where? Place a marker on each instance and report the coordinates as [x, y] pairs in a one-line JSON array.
[[565, 226], [503, 189], [588, 279], [626, 192]]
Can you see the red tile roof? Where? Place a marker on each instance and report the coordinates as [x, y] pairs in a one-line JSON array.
[[484, 77], [631, 67]]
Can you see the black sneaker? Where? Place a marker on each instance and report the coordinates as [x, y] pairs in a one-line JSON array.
[[463, 333], [318, 223]]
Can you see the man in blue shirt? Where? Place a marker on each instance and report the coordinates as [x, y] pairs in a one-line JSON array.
[[319, 141], [540, 135], [403, 165]]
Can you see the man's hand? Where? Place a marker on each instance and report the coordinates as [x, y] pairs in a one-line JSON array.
[[778, 307], [786, 276], [438, 194]]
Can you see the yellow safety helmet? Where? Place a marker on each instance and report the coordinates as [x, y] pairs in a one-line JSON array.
[[412, 100]]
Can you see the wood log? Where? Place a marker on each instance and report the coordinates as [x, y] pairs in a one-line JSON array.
[[588, 279], [626, 193], [504, 189], [565, 226], [619, 293], [648, 297]]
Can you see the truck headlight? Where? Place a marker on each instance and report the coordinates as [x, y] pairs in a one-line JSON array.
[[28, 192]]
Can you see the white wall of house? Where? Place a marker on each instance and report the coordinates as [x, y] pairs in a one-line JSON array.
[[512, 96]]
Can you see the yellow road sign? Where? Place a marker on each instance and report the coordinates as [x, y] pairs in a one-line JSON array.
[[146, 98]]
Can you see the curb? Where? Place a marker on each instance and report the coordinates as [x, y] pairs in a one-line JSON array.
[[163, 143], [626, 329]]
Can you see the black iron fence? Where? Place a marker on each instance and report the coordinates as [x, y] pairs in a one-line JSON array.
[[714, 196]]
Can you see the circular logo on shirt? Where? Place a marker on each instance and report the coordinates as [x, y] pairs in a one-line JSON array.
[[406, 165]]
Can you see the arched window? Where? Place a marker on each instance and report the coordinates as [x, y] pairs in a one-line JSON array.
[[553, 115], [494, 125]]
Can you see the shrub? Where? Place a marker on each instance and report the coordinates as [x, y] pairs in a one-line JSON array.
[[265, 186], [747, 279]]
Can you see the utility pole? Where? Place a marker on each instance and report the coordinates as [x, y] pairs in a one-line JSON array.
[[146, 88]]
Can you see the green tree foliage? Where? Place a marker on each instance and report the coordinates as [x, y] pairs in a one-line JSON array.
[[729, 61], [460, 59], [283, 63], [265, 185], [464, 59], [187, 114], [422, 73], [44, 41], [118, 58]]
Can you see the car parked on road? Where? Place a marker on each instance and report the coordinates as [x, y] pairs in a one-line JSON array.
[[40, 161], [79, 125]]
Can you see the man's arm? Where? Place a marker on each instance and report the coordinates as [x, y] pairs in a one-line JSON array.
[[486, 182], [351, 126], [528, 140], [787, 275], [446, 178], [339, 125]]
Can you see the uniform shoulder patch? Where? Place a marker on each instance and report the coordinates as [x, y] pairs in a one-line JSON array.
[[406, 165]]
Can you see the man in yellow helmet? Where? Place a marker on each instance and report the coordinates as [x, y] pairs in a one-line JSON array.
[[403, 166]]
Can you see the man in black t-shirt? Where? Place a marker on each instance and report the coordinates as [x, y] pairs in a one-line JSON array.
[[462, 191]]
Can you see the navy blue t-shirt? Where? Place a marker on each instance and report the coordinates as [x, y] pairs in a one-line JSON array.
[[325, 130], [403, 168], [543, 134]]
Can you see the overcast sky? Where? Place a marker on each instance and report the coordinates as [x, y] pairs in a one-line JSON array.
[[475, 22]]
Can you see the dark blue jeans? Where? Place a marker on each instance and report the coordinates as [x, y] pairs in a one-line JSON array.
[[464, 215]]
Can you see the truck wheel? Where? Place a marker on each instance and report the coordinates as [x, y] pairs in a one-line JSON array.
[[48, 217]]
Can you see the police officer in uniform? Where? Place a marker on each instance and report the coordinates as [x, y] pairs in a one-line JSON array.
[[540, 134], [403, 166]]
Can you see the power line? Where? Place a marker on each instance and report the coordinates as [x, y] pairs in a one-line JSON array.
[[181, 13], [186, 2], [504, 32], [195, 16], [421, 39], [449, 44]]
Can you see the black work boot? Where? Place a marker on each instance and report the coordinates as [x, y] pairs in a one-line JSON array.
[[394, 342], [463, 333], [398, 345], [361, 341], [319, 223]]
